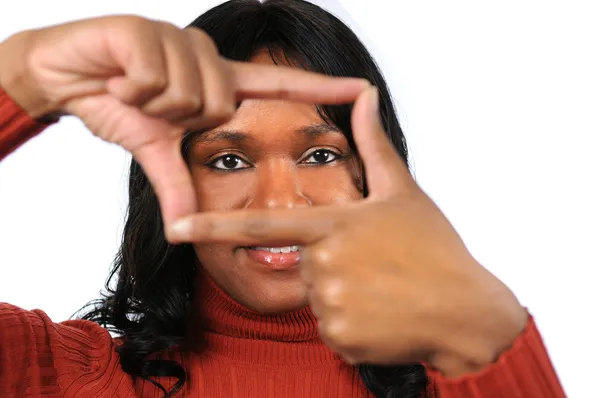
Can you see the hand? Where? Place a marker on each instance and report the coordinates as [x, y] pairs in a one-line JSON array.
[[390, 280], [141, 84]]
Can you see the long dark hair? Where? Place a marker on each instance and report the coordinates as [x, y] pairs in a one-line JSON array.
[[155, 280]]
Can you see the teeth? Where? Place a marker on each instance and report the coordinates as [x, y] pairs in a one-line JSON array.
[[284, 249]]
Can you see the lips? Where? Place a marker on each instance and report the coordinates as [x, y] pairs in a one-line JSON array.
[[276, 258]]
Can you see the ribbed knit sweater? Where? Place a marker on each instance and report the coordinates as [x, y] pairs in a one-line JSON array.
[[236, 352]]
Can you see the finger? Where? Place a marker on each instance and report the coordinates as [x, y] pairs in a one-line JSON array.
[[217, 88], [386, 172], [183, 95], [275, 228], [170, 178], [282, 82], [138, 50]]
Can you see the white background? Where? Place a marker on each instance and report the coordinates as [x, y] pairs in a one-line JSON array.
[[500, 102]]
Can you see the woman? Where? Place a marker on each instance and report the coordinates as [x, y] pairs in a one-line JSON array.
[[264, 200]]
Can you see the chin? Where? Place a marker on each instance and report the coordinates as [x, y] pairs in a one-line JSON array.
[[280, 308], [253, 285], [277, 301]]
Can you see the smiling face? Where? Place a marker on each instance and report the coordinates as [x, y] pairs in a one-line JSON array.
[[272, 154]]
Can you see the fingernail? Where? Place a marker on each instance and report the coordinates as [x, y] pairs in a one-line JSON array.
[[180, 229]]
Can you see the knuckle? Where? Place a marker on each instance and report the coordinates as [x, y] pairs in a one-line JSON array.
[[338, 332], [193, 103], [200, 38], [321, 257], [332, 293], [350, 360], [219, 112], [132, 23], [220, 106], [186, 102], [151, 80], [205, 40], [356, 355], [209, 44]]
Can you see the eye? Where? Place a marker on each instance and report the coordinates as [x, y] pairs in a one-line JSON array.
[[321, 156], [229, 162]]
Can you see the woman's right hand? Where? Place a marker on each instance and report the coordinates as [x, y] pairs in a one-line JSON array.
[[141, 84]]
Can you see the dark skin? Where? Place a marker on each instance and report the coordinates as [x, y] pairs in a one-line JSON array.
[[388, 278], [287, 157], [142, 84]]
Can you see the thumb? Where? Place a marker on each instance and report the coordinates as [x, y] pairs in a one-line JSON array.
[[386, 172], [170, 178]]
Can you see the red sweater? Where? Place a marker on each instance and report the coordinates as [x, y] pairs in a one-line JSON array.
[[241, 353]]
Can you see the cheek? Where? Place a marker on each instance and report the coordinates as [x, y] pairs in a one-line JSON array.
[[221, 191], [337, 184]]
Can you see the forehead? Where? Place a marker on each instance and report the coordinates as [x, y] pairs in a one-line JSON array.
[[257, 114], [273, 114], [264, 56]]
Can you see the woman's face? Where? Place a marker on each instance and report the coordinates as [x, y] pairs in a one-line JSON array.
[[272, 154]]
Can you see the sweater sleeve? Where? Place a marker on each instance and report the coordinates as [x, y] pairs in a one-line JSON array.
[[524, 371], [39, 358], [16, 126]]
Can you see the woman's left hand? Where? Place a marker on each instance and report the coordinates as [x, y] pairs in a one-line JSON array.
[[390, 280]]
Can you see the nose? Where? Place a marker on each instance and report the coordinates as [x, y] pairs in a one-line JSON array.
[[278, 187]]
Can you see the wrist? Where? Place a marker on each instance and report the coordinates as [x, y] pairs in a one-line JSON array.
[[482, 331], [16, 79]]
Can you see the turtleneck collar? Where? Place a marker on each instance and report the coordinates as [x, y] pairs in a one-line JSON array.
[[222, 326]]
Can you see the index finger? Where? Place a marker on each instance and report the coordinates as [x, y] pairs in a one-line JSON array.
[[386, 172], [257, 227], [284, 82], [170, 178]]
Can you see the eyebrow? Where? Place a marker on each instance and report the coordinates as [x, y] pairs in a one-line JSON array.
[[204, 136]]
